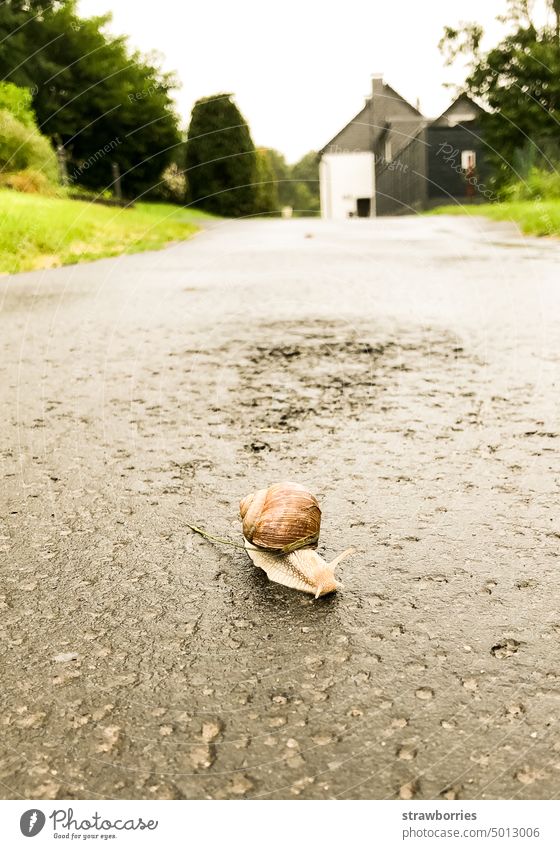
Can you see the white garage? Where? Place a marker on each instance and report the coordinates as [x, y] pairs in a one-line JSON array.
[[347, 183]]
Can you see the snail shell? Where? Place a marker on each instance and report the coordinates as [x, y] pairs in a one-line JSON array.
[[281, 527], [281, 518]]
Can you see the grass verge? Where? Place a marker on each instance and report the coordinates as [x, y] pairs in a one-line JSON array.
[[43, 232], [534, 217]]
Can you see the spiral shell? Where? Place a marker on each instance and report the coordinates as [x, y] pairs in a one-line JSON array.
[[282, 518]]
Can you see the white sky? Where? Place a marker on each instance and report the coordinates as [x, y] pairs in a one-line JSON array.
[[299, 69]]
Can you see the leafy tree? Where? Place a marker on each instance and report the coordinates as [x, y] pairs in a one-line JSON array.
[[298, 185], [91, 94], [281, 171], [304, 201], [306, 173], [519, 80], [221, 161], [266, 191]]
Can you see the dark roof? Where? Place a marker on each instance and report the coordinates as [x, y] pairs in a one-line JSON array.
[[394, 95], [401, 119], [356, 134], [461, 111], [361, 133]]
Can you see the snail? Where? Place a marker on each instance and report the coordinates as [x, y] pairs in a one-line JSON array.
[[281, 527]]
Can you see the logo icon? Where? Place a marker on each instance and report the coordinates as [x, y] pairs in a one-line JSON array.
[[32, 822]]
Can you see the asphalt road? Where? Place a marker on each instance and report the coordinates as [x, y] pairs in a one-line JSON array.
[[406, 371]]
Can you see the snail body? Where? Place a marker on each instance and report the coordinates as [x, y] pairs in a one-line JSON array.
[[281, 527], [303, 569]]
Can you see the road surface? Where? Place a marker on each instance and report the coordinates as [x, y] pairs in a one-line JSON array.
[[407, 371]]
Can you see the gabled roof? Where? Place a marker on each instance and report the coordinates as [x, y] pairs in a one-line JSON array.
[[399, 118], [355, 135], [390, 93], [461, 111], [362, 132]]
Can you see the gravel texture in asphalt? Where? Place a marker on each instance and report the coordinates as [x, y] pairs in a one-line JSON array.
[[406, 370]]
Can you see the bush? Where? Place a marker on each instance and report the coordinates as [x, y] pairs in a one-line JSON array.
[[29, 181], [539, 184], [22, 146], [17, 101], [173, 185]]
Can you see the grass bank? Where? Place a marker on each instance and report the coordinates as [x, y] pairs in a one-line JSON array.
[[43, 232], [534, 217]]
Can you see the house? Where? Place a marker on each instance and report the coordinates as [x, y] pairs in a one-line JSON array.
[[456, 164], [391, 160]]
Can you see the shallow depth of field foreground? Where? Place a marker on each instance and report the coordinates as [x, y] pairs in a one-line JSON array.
[[406, 370]]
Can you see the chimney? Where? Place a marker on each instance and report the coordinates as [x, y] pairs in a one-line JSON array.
[[378, 102]]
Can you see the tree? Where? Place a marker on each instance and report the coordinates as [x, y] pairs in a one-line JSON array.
[[519, 80], [91, 94], [282, 176], [221, 160], [266, 191], [298, 185], [306, 173]]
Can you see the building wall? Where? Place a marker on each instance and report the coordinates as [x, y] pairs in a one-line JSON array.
[[345, 177], [402, 184], [446, 177]]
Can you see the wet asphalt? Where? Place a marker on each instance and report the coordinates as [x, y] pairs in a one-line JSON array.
[[407, 371]]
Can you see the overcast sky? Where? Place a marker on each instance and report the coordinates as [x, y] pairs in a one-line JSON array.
[[299, 69]]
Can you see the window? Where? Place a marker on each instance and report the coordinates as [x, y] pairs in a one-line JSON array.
[[468, 160], [388, 151]]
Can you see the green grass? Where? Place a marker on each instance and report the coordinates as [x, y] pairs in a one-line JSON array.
[[534, 217], [44, 232]]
